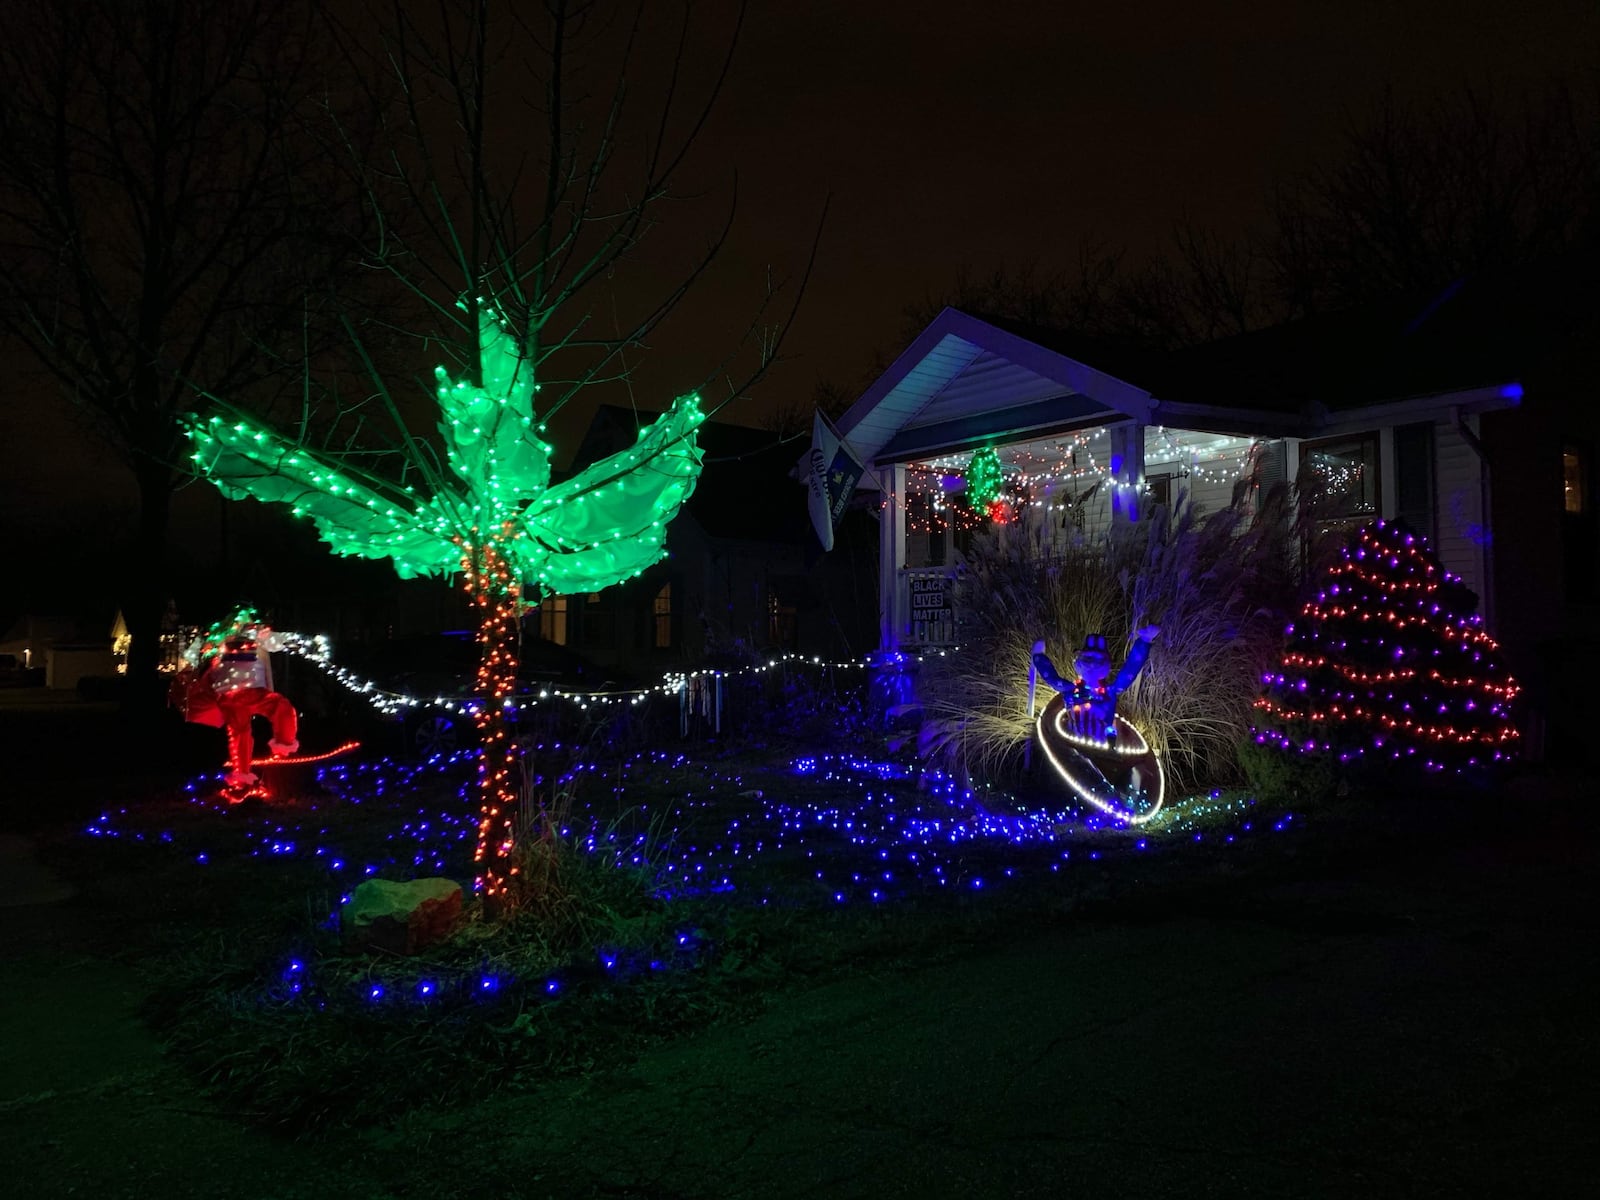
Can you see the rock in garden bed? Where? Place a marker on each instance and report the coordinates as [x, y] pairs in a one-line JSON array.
[[401, 918]]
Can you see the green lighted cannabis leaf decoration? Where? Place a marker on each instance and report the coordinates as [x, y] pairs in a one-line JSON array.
[[604, 525], [983, 477]]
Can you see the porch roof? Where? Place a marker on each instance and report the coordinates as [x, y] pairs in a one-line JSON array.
[[965, 381]]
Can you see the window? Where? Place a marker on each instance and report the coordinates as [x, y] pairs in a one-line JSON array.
[[1575, 495], [1580, 533], [553, 619], [925, 531], [1159, 488], [1346, 472], [786, 596], [662, 608], [782, 624]]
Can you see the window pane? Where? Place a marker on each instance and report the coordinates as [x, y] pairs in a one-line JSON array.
[[553, 619], [663, 617], [1348, 471], [1572, 479]]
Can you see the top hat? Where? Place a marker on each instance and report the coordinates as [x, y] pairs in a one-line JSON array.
[[1095, 643]]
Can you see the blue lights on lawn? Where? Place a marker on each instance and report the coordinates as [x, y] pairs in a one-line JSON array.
[[827, 830]]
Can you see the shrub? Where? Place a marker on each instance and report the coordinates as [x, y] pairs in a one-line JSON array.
[[1287, 778], [1219, 586], [1390, 666]]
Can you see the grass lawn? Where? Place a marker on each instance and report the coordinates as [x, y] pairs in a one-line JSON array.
[[709, 908], [687, 887]]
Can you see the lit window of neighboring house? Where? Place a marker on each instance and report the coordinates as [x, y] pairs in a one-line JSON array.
[[1580, 537], [663, 617], [553, 619], [1574, 489], [783, 623]]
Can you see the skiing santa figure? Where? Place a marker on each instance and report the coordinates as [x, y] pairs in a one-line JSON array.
[[227, 681]]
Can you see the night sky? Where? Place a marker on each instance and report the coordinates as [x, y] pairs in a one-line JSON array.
[[959, 134]]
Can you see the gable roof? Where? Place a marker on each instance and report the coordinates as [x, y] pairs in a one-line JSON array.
[[965, 380]]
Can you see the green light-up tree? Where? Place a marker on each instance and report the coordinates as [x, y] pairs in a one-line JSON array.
[[503, 299], [497, 522]]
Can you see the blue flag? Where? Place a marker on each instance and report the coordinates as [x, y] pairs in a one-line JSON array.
[[831, 480]]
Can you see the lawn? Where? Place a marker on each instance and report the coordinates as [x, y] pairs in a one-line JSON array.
[[768, 969], [681, 887]]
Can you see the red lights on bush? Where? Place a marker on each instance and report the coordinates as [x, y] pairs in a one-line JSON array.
[[1390, 662]]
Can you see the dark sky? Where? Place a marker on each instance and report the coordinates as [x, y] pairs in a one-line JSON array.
[[951, 134]]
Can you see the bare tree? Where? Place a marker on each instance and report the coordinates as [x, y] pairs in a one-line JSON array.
[[535, 149], [528, 157], [162, 222], [1224, 282], [790, 418], [1417, 196], [1205, 287], [1084, 297], [1425, 194]]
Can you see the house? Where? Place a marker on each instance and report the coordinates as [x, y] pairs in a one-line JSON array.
[[62, 649], [1471, 415], [743, 574]]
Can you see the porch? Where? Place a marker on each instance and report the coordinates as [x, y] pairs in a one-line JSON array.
[[1068, 483], [1083, 447]]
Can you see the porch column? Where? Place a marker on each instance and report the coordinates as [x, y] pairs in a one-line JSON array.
[[891, 554], [1127, 470]]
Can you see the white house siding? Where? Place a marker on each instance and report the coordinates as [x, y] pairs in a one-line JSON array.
[[1463, 531]]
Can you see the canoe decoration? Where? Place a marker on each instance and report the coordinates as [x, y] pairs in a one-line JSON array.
[[1123, 778]]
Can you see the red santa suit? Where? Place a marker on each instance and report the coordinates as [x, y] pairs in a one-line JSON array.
[[241, 681]]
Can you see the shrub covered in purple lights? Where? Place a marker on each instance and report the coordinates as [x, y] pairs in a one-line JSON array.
[[1389, 664]]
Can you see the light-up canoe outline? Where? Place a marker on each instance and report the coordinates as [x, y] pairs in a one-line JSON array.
[[1072, 755]]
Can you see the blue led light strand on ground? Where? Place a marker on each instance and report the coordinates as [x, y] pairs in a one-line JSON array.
[[827, 830]]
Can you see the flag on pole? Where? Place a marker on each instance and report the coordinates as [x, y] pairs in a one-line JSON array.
[[832, 478]]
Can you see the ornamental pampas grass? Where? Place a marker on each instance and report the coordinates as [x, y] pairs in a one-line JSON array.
[[1218, 585]]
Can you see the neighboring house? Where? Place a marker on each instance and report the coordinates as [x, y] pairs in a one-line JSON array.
[[1472, 416], [30, 637], [743, 575], [65, 648]]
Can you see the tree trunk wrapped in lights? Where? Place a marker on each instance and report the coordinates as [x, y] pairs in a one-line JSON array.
[[497, 522], [1389, 664]]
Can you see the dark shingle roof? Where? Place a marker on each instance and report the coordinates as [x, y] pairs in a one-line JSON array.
[[1476, 332], [745, 490]]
